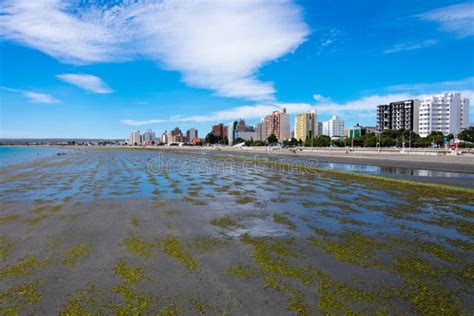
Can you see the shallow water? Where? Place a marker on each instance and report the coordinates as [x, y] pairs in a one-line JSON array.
[[302, 241], [12, 155]]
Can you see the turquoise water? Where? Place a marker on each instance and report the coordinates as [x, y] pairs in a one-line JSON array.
[[11, 155]]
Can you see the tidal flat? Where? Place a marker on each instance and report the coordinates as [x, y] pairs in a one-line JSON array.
[[169, 233]]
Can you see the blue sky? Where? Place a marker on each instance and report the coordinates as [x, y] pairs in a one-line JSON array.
[[74, 69]]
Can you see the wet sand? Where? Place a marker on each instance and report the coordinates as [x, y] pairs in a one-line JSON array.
[[134, 231]]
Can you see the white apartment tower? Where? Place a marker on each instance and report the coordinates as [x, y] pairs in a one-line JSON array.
[[447, 113], [334, 127]]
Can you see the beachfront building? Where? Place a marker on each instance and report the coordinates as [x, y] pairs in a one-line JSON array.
[[164, 137], [191, 134], [177, 136], [306, 126], [231, 132], [334, 127], [397, 115], [219, 130], [447, 113], [261, 130], [278, 123], [148, 136], [135, 138], [241, 127], [358, 131]]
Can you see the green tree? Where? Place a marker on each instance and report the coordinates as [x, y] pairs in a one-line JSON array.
[[211, 138], [258, 143], [238, 141], [467, 135], [272, 139]]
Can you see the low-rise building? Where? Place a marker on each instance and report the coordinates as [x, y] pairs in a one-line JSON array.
[[358, 131]]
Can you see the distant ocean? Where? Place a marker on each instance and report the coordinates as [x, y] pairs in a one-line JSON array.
[[17, 154]]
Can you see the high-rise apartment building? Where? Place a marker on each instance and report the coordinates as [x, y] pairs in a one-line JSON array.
[[278, 123], [241, 127], [191, 134], [231, 132], [177, 135], [148, 136], [306, 126], [334, 127], [447, 113], [261, 130], [397, 115], [135, 138], [219, 130], [164, 137]]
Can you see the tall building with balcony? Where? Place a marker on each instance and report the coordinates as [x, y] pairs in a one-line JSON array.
[[278, 123], [177, 136], [397, 115], [232, 129], [219, 130], [261, 130], [306, 126], [148, 136], [241, 127], [135, 138], [447, 113], [164, 137], [334, 127], [191, 134]]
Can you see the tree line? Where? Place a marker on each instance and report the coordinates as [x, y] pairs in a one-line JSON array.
[[387, 138]]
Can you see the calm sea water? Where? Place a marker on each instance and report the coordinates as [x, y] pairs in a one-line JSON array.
[[10, 155]]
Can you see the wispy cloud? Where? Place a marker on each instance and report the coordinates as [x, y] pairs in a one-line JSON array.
[[218, 45], [328, 38], [464, 84], [49, 26], [87, 82], [458, 18], [411, 46], [34, 97]]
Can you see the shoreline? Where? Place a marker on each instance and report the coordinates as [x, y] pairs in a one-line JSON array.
[[447, 163], [452, 182]]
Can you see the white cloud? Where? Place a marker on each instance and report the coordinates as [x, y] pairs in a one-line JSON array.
[[87, 82], [49, 26], [464, 84], [458, 18], [410, 46], [34, 97], [321, 98], [218, 45], [328, 38]]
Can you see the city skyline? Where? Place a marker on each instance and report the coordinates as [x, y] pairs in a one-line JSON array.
[[88, 75]]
